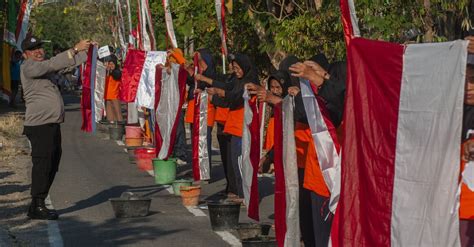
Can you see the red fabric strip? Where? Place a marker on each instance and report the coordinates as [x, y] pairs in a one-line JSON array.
[[158, 137], [86, 107], [346, 21], [363, 217], [195, 133], [280, 194], [131, 73], [254, 129]]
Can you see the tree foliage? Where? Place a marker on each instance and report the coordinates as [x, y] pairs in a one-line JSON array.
[[267, 30], [66, 22]]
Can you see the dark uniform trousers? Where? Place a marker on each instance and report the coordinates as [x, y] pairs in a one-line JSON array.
[[46, 153]]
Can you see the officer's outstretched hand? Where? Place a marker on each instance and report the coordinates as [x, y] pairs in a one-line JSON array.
[[83, 45]]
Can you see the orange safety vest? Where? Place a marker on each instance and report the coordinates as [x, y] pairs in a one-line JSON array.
[[466, 209], [235, 122], [270, 136], [308, 159], [222, 114]]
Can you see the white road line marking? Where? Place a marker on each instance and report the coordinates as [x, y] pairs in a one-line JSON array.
[[125, 150], [170, 189], [229, 238], [120, 143], [151, 172], [54, 235], [195, 211]]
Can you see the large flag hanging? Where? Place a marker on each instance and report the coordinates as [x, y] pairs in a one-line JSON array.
[[99, 90], [170, 90], [131, 73], [146, 86], [87, 99], [402, 127], [201, 169], [250, 155], [325, 141], [287, 223], [169, 24], [23, 21]]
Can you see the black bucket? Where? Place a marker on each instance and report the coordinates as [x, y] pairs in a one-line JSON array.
[[127, 208], [224, 215], [116, 132], [252, 230], [261, 241]]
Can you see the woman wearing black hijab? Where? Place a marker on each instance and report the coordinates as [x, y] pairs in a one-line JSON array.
[[244, 73], [207, 65]]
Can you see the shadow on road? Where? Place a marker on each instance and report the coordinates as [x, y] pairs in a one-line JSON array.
[[116, 191], [112, 232]]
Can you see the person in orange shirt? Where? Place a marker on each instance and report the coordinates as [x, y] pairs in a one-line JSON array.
[[222, 112], [245, 73], [112, 91], [466, 209]]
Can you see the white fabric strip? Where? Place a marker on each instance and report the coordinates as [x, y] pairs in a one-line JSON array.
[[428, 145], [169, 23], [146, 85], [204, 156], [167, 107], [329, 159], [99, 91], [292, 237], [150, 25], [218, 4], [143, 23], [354, 19], [246, 166]]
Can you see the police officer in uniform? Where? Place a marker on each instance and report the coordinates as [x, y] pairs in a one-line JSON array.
[[44, 114]]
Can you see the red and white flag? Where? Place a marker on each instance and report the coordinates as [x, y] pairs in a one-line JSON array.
[[138, 77], [325, 141], [402, 127], [287, 222], [201, 156], [250, 155], [23, 21], [170, 90]]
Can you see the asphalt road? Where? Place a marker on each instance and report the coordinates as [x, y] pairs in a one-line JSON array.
[[94, 169]]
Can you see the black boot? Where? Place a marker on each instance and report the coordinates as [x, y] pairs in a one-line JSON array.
[[39, 211]]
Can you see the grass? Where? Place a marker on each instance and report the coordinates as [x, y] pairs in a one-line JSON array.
[[11, 127]]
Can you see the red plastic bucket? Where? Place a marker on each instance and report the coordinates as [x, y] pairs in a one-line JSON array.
[[133, 132], [144, 157]]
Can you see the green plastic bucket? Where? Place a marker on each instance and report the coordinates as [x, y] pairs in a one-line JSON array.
[[165, 171], [181, 182]]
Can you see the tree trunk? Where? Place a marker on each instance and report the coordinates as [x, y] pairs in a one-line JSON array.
[[428, 22]]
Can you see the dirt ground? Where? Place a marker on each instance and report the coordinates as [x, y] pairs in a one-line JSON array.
[[15, 170]]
